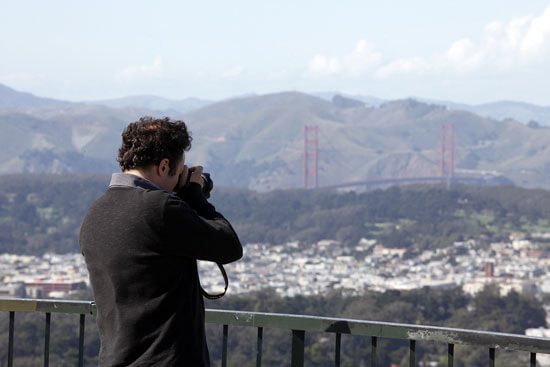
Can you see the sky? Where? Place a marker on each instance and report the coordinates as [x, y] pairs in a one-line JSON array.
[[463, 51]]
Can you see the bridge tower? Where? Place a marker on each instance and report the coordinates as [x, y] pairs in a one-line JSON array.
[[311, 156], [447, 152]]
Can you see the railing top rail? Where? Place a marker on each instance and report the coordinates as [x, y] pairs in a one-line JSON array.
[[47, 305], [381, 329], [317, 324]]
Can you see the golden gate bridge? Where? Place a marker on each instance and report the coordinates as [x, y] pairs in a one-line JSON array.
[[447, 175]]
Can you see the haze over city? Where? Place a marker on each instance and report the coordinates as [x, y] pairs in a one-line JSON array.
[[468, 52]]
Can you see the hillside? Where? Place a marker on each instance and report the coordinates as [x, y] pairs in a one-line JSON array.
[[262, 138], [257, 142]]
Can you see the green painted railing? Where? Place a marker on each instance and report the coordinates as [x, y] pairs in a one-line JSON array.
[[298, 325]]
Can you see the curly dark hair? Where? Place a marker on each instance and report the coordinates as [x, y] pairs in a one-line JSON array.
[[148, 141]]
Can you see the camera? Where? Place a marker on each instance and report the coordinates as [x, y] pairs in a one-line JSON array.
[[207, 186]]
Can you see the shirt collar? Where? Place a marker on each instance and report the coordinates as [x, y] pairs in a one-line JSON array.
[[129, 180]]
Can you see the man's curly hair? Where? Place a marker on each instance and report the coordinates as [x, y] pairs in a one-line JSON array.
[[148, 141]]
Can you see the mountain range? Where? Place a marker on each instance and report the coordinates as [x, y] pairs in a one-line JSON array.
[[156, 103], [526, 113], [257, 141]]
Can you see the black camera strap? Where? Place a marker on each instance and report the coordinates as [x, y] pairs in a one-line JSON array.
[[219, 295]]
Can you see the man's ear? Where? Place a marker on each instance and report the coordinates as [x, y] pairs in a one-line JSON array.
[[164, 167]]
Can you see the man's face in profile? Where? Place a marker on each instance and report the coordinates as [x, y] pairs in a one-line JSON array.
[[176, 176], [167, 180]]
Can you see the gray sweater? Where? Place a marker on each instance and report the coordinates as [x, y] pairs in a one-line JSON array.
[[141, 245]]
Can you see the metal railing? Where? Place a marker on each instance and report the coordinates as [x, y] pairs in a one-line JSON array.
[[298, 325], [83, 308]]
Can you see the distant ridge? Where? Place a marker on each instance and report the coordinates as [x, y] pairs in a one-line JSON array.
[[156, 103], [257, 141], [12, 99], [500, 110], [520, 111]]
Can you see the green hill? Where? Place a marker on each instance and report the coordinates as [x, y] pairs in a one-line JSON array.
[[43, 213]]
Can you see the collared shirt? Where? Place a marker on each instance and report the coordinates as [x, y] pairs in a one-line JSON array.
[[130, 180]]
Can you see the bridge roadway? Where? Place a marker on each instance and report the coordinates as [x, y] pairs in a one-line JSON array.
[[409, 180]]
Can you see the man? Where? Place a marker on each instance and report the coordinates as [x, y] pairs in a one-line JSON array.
[[141, 240]]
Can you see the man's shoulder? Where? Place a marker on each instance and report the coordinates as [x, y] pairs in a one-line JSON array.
[[120, 198], [125, 206], [119, 192]]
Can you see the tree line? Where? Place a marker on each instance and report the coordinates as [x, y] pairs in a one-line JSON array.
[[43, 213]]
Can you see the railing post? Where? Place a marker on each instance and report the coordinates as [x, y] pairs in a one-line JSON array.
[[259, 347], [10, 339], [338, 341], [491, 357], [373, 342], [47, 340], [450, 355], [533, 359], [81, 341], [224, 345], [298, 337], [412, 353]]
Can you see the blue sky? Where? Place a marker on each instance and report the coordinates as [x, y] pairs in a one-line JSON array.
[[467, 51]]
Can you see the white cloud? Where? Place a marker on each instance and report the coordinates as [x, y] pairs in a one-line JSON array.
[[536, 40], [464, 55], [501, 47], [144, 71], [363, 58], [323, 65], [360, 61], [504, 45]]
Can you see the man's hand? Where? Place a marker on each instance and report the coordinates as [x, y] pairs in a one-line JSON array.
[[196, 175], [190, 174]]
